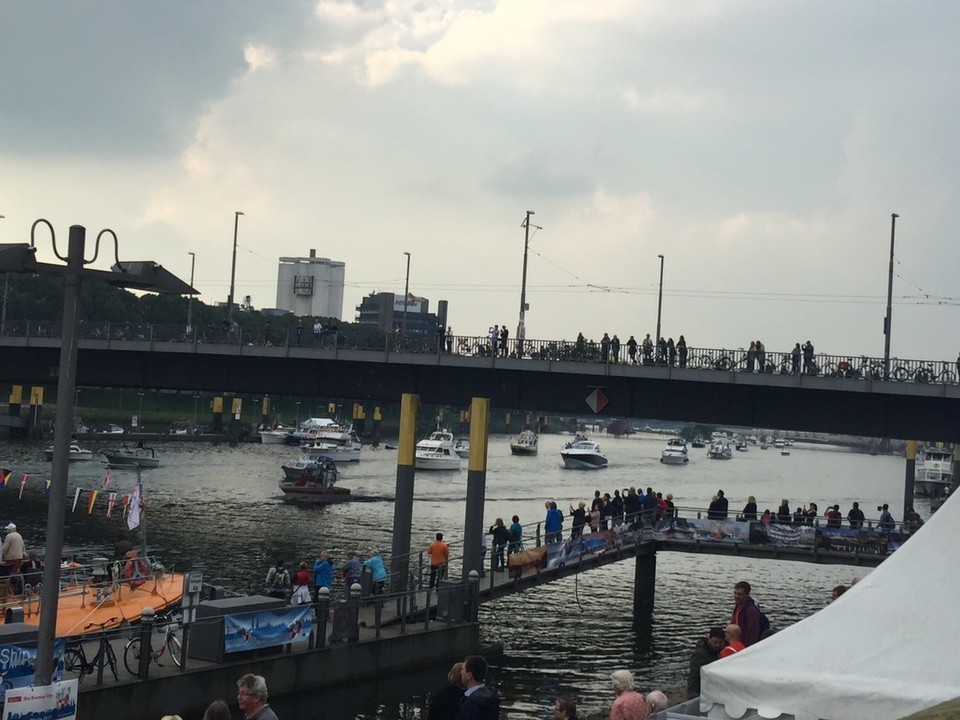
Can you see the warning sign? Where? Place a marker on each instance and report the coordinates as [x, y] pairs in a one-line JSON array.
[[597, 400]]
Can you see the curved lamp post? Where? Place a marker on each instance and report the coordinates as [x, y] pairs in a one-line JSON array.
[[233, 264], [139, 275]]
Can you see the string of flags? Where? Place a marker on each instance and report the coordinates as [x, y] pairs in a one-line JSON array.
[[132, 502]]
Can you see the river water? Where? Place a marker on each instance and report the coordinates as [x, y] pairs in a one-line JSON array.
[[218, 508]]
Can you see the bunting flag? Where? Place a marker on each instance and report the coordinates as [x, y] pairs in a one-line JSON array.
[[23, 484], [126, 504], [76, 496], [91, 501], [106, 480], [46, 489], [5, 476], [111, 501], [133, 519]]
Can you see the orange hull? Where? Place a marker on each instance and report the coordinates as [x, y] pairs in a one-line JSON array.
[[82, 608]]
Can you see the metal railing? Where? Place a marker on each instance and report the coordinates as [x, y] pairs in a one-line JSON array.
[[839, 366]]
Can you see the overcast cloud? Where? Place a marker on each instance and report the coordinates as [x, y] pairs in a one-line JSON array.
[[760, 147]]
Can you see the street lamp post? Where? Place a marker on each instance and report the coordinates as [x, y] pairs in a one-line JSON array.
[[521, 326], [888, 319], [659, 301], [140, 413], [233, 264], [193, 259], [196, 399], [148, 276], [406, 295]]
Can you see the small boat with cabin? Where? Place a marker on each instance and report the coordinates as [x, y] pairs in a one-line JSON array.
[[76, 452], [462, 447], [719, 450], [698, 442], [525, 443], [276, 435], [934, 471], [436, 452], [675, 453], [309, 465], [138, 457], [337, 442], [317, 488], [583, 454]]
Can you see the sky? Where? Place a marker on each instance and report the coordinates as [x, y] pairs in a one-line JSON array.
[[760, 147]]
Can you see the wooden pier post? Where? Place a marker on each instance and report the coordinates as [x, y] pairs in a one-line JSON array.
[[476, 486], [910, 473], [644, 582]]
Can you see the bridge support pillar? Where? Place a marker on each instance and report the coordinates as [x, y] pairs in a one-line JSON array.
[[13, 409], [36, 412], [265, 412], [216, 422], [508, 423], [476, 486], [359, 419], [909, 474], [644, 583], [377, 418], [403, 505]]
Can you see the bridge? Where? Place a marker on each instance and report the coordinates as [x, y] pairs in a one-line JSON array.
[[546, 376]]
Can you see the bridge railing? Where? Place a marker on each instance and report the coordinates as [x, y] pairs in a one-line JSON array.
[[839, 366]]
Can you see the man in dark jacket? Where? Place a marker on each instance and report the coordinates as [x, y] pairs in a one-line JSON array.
[[707, 651], [746, 614], [479, 701]]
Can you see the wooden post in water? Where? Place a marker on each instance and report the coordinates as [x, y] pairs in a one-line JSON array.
[[13, 409], [644, 583], [476, 486], [403, 505], [908, 477], [377, 418], [36, 412], [216, 422]]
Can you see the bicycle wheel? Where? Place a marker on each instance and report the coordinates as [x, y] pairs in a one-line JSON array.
[[900, 374], [831, 370], [131, 656], [923, 375], [947, 377], [173, 647], [73, 662]]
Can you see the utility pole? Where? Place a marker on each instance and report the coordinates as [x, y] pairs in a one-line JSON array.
[[888, 320], [406, 296], [233, 264], [193, 259], [521, 325], [659, 302]]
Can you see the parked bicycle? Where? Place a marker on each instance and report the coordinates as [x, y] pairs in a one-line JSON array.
[[171, 644], [75, 657]]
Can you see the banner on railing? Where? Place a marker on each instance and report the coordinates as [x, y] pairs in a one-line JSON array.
[[727, 531], [17, 663], [57, 701], [268, 628]]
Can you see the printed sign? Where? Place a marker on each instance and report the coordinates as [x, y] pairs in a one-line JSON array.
[[57, 701], [17, 663], [268, 628]]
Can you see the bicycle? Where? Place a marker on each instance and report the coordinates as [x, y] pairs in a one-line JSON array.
[[171, 643], [75, 657]]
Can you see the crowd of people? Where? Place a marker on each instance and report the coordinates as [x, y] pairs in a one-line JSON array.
[[300, 589]]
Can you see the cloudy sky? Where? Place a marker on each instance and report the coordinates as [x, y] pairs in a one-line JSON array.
[[761, 147]]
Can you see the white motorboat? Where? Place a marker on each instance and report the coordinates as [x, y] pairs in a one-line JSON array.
[[462, 447], [76, 452], [699, 442], [309, 465], [934, 471], [142, 457], [784, 450], [720, 450], [525, 444], [308, 430], [741, 446], [315, 483], [583, 454], [274, 436], [436, 452], [675, 453], [339, 443]]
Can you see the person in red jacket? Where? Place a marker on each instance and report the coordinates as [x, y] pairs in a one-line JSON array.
[[732, 635], [745, 614]]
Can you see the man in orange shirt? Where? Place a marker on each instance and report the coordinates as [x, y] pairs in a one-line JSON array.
[[439, 553], [732, 635]]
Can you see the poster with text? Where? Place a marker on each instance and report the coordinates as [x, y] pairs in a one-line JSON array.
[[267, 628], [49, 702]]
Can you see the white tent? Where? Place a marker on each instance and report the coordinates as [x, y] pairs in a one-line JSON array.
[[889, 647]]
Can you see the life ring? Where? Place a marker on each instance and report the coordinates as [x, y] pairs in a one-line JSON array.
[[135, 571]]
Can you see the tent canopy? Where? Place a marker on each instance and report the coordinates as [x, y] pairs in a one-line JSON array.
[[889, 647]]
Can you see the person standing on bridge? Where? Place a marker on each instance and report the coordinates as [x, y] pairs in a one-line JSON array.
[[746, 614], [579, 520], [439, 553], [553, 523], [855, 517], [501, 536], [516, 536]]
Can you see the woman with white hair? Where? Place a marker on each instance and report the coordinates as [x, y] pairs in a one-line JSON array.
[[629, 705]]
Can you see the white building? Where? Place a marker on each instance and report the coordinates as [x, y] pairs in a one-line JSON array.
[[311, 286]]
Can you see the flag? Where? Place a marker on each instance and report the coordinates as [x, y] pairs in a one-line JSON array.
[[5, 476], [93, 499], [76, 496], [46, 489], [106, 480], [133, 519], [23, 484], [126, 504], [111, 502]]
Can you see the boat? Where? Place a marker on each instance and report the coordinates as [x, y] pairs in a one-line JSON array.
[[525, 443], [274, 436], [779, 443], [307, 431], [753, 439], [698, 442], [675, 453], [583, 454], [462, 447], [784, 450], [436, 452], [741, 446], [934, 471], [309, 465], [142, 457], [719, 450], [335, 441], [318, 487], [76, 452]]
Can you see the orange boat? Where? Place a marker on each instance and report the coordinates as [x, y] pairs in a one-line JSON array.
[[105, 596]]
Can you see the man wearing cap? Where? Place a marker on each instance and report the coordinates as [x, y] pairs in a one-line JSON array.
[[707, 651], [12, 549]]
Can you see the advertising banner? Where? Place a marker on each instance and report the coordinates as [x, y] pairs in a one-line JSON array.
[[269, 628], [57, 701], [17, 664], [727, 531]]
